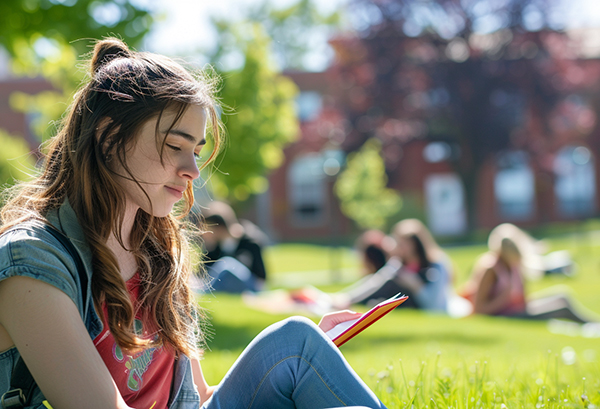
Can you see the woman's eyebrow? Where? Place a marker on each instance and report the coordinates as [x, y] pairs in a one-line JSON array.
[[187, 136]]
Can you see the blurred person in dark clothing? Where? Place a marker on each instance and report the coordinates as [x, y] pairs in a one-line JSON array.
[[233, 256]]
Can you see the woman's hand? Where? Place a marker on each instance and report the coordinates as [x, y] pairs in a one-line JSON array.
[[334, 318]]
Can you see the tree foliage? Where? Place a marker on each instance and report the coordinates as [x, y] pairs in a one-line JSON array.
[[299, 33], [46, 38], [259, 116], [476, 74], [362, 190], [15, 161], [259, 103], [30, 23]]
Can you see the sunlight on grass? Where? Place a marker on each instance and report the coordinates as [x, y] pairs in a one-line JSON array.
[[414, 359]]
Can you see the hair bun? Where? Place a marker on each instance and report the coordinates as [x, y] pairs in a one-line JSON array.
[[107, 50]]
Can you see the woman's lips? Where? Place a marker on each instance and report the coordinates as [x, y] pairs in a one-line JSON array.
[[176, 191]]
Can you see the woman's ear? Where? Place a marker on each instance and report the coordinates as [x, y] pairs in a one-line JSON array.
[[103, 125]]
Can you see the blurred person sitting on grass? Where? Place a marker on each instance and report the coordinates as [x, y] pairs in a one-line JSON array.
[[417, 267], [536, 262], [373, 247], [233, 255], [497, 287]]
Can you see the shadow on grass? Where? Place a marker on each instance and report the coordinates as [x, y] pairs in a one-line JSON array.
[[447, 338], [232, 338], [238, 337]]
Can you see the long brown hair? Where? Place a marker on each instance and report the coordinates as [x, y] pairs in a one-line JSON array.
[[125, 90]]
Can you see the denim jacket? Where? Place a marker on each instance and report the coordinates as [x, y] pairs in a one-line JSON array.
[[30, 251]]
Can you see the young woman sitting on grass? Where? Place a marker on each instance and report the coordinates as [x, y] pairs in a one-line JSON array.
[[497, 287], [126, 153], [417, 267]]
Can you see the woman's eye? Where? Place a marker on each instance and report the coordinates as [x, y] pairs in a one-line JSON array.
[[175, 148]]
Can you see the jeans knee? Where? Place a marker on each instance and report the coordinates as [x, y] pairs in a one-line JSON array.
[[297, 325], [294, 332]]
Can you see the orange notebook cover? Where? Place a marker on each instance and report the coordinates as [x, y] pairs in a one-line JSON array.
[[345, 331]]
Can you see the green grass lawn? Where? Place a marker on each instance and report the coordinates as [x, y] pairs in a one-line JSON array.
[[433, 360]]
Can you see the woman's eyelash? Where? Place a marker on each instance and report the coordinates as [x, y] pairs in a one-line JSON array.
[[177, 149]]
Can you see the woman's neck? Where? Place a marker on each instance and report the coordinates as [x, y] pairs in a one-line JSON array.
[[125, 258]]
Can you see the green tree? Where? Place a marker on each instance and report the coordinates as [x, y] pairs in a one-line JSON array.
[[299, 32], [259, 103], [260, 118], [45, 38], [15, 160], [362, 190], [27, 24]]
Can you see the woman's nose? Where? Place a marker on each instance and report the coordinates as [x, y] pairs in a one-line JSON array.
[[189, 170]]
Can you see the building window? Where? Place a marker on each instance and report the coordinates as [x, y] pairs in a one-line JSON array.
[[446, 211], [309, 105], [307, 191], [575, 183], [514, 187]]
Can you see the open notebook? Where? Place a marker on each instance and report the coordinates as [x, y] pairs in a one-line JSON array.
[[345, 331]]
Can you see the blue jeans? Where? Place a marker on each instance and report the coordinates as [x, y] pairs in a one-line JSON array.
[[291, 364]]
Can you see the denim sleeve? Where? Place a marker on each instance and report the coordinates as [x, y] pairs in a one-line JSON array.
[[36, 254]]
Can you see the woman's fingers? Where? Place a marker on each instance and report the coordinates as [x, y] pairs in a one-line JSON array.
[[334, 318]]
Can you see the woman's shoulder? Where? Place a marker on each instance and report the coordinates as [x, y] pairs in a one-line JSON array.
[[30, 250]]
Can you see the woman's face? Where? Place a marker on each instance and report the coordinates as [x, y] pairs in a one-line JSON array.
[[165, 182]]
